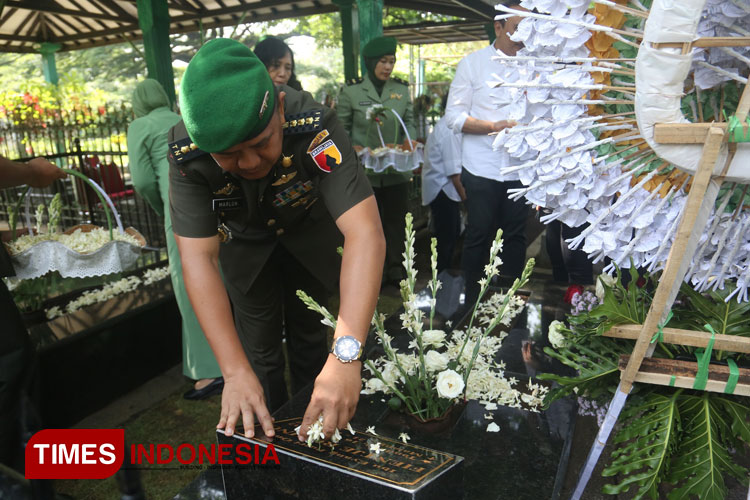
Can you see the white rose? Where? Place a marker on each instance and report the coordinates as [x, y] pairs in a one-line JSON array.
[[435, 361], [449, 384], [555, 336], [433, 337], [390, 374], [601, 280]]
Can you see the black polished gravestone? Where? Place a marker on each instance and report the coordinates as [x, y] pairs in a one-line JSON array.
[[352, 468], [526, 460], [522, 461]]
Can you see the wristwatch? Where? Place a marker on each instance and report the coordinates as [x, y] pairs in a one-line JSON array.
[[346, 348]]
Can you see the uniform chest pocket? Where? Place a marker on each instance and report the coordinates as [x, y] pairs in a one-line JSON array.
[[232, 211]]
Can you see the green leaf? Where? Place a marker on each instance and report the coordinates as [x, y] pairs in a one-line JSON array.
[[596, 362], [701, 460], [649, 431]]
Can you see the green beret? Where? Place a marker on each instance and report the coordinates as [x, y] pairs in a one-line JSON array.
[[380, 46], [226, 95]]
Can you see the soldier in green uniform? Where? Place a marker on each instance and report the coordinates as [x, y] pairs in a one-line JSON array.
[[391, 188], [265, 183]]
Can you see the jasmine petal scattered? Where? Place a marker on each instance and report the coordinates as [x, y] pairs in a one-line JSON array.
[[493, 427], [371, 430], [375, 448], [404, 437], [349, 428]]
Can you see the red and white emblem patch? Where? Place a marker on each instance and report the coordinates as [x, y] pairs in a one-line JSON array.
[[326, 156]]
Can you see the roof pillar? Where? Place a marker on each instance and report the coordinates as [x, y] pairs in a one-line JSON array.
[[153, 18]]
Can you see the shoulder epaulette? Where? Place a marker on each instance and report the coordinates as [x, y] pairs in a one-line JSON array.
[[399, 80], [184, 150], [354, 81], [304, 122]]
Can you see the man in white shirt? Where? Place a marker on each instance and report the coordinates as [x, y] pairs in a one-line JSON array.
[[476, 110], [442, 189]]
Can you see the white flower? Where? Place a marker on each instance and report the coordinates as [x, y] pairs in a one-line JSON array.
[[449, 384], [349, 428], [374, 385], [404, 437], [603, 279], [375, 448], [336, 436], [555, 336], [493, 427], [435, 361], [54, 312], [433, 337], [371, 430]]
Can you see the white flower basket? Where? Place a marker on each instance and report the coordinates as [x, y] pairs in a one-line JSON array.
[[400, 159], [111, 257]]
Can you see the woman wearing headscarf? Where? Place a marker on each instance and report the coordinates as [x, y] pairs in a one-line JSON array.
[[391, 188], [149, 167], [279, 61]]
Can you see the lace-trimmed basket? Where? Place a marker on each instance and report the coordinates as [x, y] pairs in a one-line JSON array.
[[112, 257], [389, 156]]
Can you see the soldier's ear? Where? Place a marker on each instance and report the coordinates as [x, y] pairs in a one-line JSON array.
[[282, 95]]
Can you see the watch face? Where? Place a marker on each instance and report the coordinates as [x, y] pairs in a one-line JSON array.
[[346, 348]]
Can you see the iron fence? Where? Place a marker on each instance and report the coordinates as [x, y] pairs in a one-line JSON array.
[[93, 141]]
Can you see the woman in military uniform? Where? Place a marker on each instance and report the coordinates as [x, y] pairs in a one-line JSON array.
[[149, 169], [391, 188], [264, 182]]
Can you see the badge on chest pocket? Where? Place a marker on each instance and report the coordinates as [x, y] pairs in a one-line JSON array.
[[226, 204]]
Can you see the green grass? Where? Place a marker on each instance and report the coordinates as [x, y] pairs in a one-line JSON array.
[[173, 421]]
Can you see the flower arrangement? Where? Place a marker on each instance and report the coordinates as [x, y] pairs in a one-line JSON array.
[[438, 371], [108, 291], [78, 240]]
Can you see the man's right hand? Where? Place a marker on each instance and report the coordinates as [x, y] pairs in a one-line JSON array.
[[503, 124], [243, 395]]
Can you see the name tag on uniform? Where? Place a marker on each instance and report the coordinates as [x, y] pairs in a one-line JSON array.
[[225, 204], [365, 103]]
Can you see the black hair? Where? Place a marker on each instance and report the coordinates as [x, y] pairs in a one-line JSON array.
[[509, 4], [270, 50]]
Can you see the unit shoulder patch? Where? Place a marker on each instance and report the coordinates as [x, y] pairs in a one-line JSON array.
[[326, 156]]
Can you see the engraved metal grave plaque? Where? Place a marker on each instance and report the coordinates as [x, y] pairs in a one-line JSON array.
[[351, 468]]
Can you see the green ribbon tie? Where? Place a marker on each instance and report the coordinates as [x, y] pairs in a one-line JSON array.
[[659, 335], [672, 380], [703, 356], [735, 130], [734, 376]]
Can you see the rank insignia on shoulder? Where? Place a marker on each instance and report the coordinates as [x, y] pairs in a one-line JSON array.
[[305, 122], [399, 80], [184, 150], [354, 81], [326, 156]]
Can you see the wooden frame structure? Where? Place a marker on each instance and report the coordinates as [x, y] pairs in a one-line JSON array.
[[640, 366]]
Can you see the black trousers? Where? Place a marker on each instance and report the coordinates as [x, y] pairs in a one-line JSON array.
[[393, 203], [272, 307], [17, 378], [568, 266], [446, 220], [489, 208]]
